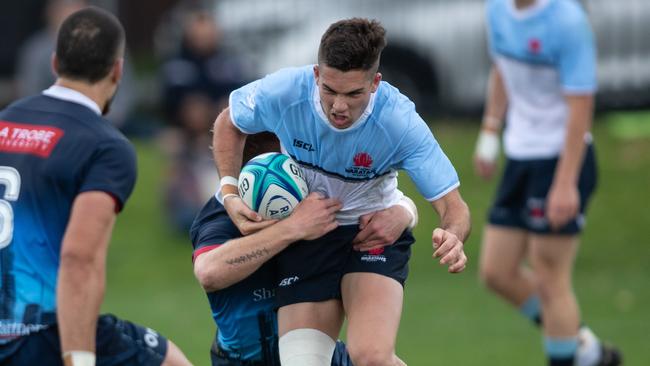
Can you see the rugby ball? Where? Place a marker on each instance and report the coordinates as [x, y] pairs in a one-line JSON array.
[[272, 184]]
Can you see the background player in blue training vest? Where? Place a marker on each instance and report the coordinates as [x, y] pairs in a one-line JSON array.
[[238, 272], [544, 75], [350, 132], [65, 173]]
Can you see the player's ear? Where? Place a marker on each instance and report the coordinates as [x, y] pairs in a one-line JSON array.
[[54, 64], [375, 82], [316, 72], [118, 70]]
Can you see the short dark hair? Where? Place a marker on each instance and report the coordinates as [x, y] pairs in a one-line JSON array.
[[88, 44], [352, 44]]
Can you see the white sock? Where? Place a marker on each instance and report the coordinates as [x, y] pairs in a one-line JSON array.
[[589, 352], [306, 347]]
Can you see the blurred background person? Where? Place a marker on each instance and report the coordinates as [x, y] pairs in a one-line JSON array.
[[34, 71], [544, 78], [196, 81]]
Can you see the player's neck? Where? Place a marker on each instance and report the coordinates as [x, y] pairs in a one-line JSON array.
[[523, 4], [97, 92]]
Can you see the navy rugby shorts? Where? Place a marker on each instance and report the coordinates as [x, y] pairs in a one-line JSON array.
[[521, 197], [221, 358], [119, 342], [311, 270]]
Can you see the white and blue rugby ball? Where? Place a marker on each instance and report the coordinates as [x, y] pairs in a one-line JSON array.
[[272, 184]]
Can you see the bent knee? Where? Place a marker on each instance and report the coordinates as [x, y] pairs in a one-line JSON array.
[[493, 278], [554, 289], [372, 355]]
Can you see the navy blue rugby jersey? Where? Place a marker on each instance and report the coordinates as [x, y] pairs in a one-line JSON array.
[[235, 309], [53, 147]]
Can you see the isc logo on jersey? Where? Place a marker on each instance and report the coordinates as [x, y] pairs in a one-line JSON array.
[[272, 184]]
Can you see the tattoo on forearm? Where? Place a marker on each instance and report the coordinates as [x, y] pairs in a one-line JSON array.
[[248, 257]]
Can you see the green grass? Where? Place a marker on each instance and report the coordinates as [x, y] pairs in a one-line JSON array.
[[447, 319]]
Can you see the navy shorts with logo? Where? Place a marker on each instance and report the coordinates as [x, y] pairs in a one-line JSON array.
[[521, 196], [311, 270], [119, 342]]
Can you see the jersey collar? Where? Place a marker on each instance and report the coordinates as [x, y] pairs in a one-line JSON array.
[[71, 95], [364, 116], [528, 12]]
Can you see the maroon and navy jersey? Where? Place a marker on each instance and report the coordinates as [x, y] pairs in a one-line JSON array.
[[51, 150]]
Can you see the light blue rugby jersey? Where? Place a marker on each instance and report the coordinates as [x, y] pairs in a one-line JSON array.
[[543, 52], [356, 165]]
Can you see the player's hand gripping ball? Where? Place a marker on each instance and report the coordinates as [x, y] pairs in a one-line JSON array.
[[272, 184]]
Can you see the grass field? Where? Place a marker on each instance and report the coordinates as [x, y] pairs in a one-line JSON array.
[[447, 319]]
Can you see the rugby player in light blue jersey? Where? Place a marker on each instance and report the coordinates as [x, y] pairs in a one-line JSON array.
[[544, 78], [350, 132], [65, 173]]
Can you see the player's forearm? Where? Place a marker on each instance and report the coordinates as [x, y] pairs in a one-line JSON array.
[[454, 215], [228, 146], [579, 123], [80, 292], [496, 103], [457, 221], [239, 258]]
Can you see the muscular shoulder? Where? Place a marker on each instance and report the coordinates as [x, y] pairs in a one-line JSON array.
[[569, 16], [212, 225], [395, 113], [289, 85], [102, 138], [496, 7]]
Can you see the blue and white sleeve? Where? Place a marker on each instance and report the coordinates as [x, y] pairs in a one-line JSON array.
[[490, 25], [577, 59], [427, 165], [250, 108]]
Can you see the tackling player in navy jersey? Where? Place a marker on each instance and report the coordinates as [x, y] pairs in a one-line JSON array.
[[239, 279], [65, 173], [238, 272], [543, 82], [350, 132]]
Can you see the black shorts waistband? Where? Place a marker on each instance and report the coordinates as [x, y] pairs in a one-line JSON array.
[[233, 359]]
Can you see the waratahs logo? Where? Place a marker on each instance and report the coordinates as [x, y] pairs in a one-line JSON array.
[[362, 166], [374, 255], [362, 160], [534, 45]]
